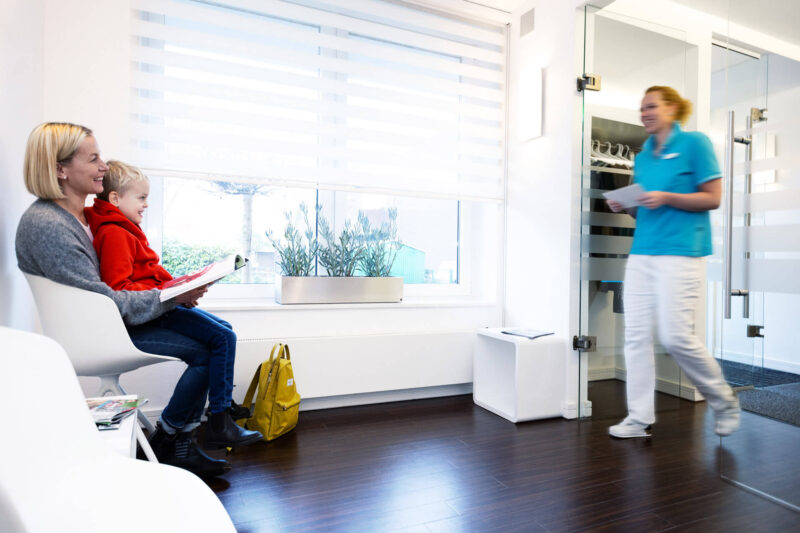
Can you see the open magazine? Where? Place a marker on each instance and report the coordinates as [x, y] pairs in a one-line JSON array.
[[204, 276], [108, 411], [527, 332]]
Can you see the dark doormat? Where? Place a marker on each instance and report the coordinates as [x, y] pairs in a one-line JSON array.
[[740, 374], [781, 402]]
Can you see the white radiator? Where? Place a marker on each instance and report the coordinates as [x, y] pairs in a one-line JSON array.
[[339, 371]]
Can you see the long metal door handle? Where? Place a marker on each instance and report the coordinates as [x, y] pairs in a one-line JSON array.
[[727, 218]]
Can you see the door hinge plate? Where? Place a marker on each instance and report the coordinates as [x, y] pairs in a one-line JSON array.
[[589, 82], [584, 343]]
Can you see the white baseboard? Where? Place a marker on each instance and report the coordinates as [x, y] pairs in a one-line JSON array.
[[600, 374], [748, 359], [686, 391], [348, 400]]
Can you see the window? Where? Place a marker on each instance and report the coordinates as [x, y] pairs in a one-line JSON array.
[[242, 110]]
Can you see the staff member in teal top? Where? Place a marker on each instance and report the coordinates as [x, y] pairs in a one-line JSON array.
[[665, 269]]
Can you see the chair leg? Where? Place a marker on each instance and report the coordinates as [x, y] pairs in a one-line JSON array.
[[145, 422], [111, 384], [142, 440]]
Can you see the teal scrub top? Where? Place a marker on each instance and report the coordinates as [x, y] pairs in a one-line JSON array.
[[686, 161]]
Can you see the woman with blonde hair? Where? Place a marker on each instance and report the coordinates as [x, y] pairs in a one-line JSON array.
[[62, 167], [665, 268]]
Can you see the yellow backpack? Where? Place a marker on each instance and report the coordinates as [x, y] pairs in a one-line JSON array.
[[277, 403]]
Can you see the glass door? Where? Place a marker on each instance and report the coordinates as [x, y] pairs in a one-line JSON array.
[[755, 278], [627, 55], [738, 85]]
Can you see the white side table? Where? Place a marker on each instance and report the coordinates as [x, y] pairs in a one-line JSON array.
[[123, 439], [519, 378]]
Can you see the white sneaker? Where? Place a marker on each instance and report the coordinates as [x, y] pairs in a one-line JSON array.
[[727, 420], [628, 429]]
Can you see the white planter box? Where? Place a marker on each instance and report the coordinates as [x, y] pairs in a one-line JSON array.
[[334, 290]]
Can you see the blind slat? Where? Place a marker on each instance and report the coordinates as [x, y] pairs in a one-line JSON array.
[[185, 89], [327, 178], [270, 143], [427, 141]]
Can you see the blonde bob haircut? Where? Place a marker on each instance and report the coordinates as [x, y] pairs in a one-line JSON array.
[[119, 177], [683, 107], [49, 145]]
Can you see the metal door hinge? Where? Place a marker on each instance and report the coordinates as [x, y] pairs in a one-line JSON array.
[[755, 331], [758, 115], [589, 82], [584, 343]]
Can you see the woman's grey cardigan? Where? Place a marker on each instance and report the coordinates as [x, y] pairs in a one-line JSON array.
[[52, 243]]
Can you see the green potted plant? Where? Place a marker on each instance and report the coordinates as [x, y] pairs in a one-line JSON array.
[[297, 257], [340, 256], [357, 262], [380, 245]]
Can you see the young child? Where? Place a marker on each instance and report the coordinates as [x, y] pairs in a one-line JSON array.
[[128, 263]]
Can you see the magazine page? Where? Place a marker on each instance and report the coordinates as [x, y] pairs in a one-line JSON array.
[[110, 410], [527, 332], [208, 274]]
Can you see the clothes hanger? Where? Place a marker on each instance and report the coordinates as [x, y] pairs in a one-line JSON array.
[[596, 157], [620, 154]]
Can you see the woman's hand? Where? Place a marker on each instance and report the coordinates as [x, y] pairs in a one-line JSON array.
[[706, 199], [614, 206], [654, 199], [190, 298]]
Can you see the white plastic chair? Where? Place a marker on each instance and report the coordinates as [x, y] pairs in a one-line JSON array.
[[56, 474], [89, 327]]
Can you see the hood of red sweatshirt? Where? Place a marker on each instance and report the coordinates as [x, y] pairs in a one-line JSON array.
[[103, 212]]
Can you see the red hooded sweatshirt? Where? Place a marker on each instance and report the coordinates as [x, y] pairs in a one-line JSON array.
[[127, 263]]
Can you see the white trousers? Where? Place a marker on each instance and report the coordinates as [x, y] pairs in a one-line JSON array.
[[663, 290]]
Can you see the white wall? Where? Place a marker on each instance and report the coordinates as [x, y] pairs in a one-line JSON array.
[[543, 199], [21, 108]]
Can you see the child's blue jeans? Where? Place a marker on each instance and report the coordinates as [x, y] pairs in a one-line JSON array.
[[207, 344]]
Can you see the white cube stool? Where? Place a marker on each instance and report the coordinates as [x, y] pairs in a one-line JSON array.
[[519, 378]]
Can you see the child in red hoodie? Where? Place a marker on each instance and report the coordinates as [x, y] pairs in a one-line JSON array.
[[128, 263]]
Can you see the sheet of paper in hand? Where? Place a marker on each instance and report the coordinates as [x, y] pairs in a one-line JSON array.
[[627, 196]]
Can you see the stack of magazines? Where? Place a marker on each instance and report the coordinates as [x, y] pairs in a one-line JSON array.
[[109, 411]]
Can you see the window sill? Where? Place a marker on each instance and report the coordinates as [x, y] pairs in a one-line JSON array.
[[261, 304]]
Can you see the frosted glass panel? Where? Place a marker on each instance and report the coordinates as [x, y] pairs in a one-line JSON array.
[[603, 269], [607, 244]]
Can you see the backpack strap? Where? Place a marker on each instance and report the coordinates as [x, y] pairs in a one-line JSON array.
[[274, 362], [286, 352], [251, 390], [277, 346]]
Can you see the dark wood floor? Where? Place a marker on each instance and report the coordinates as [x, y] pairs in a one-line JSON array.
[[446, 465]]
